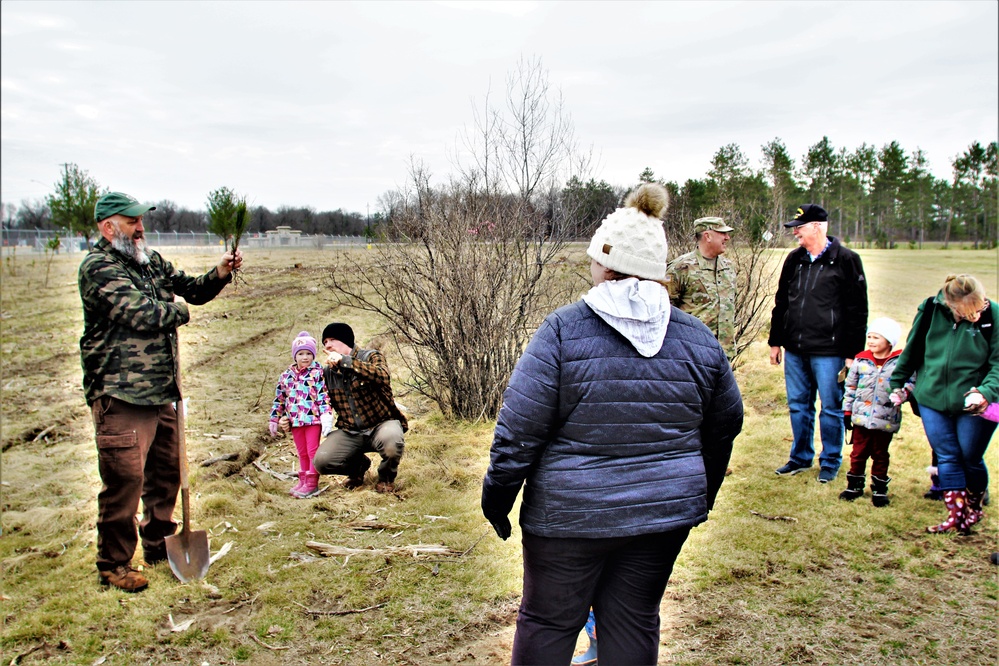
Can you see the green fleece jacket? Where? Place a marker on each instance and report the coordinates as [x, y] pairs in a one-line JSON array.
[[956, 359]]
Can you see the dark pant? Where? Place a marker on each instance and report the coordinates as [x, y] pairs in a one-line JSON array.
[[342, 451], [623, 579], [871, 444], [138, 458]]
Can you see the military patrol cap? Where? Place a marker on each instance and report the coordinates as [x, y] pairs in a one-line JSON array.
[[712, 224], [808, 213], [117, 203]]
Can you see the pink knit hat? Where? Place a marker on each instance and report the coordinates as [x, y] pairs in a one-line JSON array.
[[303, 341]]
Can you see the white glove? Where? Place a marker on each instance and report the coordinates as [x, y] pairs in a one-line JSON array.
[[327, 421], [898, 396], [973, 400]]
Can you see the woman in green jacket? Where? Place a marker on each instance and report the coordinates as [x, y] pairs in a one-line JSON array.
[[955, 355]]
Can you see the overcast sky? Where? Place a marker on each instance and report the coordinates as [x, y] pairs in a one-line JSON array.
[[322, 104]]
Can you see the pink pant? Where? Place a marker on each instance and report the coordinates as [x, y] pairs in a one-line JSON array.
[[306, 442]]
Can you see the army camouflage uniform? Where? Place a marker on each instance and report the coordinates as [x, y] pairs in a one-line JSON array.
[[706, 289], [129, 355]]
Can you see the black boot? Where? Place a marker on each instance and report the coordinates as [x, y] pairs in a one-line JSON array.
[[879, 491], [854, 487]]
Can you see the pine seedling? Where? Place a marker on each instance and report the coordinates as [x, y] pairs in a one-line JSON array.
[[51, 250], [228, 218]]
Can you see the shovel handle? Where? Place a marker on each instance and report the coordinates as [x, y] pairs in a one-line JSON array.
[[185, 484]]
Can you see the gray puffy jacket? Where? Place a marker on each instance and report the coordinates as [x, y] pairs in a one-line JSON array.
[[866, 393], [610, 443]]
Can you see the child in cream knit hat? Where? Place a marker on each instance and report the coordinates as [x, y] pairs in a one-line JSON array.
[[869, 411]]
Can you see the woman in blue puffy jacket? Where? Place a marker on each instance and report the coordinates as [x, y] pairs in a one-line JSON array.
[[618, 421]]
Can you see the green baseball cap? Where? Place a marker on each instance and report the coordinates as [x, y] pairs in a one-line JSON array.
[[712, 224], [117, 203]]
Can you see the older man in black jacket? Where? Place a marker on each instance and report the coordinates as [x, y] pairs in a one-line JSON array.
[[820, 320]]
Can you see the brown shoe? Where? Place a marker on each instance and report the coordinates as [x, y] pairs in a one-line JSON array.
[[124, 577], [386, 487], [353, 482]]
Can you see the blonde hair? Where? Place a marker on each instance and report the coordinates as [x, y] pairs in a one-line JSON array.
[[959, 289]]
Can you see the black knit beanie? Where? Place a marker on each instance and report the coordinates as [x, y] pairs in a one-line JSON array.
[[339, 331]]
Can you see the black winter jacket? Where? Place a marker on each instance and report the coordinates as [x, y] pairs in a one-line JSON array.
[[821, 307]]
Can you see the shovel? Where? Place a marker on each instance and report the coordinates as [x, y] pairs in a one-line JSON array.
[[187, 552]]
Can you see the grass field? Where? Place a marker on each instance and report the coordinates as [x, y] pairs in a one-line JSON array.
[[837, 583]]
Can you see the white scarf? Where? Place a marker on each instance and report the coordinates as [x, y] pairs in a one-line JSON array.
[[637, 309]]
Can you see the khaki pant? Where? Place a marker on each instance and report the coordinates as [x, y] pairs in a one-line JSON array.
[[342, 452], [138, 458]]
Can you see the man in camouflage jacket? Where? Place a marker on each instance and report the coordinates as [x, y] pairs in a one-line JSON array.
[[702, 282], [133, 302]]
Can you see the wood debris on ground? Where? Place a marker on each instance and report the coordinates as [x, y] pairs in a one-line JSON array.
[[414, 550]]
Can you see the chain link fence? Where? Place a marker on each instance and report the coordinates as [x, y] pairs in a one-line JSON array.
[[37, 241]]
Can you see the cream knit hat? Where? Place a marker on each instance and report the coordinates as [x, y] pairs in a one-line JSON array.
[[888, 329], [631, 240]]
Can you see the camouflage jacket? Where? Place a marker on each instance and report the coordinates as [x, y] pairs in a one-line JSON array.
[[129, 343], [706, 289], [360, 390]]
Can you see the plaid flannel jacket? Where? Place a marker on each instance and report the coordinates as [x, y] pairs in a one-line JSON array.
[[360, 389]]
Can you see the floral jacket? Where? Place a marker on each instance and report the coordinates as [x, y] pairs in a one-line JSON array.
[[301, 396]]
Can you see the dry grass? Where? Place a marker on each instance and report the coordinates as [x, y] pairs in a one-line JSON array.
[[846, 583]]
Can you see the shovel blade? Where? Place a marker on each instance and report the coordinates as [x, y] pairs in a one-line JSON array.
[[188, 554]]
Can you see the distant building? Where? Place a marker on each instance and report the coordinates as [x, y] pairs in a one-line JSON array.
[[283, 236]]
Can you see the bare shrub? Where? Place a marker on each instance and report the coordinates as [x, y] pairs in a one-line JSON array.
[[471, 267]]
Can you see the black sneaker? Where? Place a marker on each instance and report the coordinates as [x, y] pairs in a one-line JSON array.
[[790, 468]]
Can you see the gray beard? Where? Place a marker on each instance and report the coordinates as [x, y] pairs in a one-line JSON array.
[[135, 250]]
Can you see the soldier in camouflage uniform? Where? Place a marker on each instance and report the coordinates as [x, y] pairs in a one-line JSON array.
[[133, 302], [702, 282]]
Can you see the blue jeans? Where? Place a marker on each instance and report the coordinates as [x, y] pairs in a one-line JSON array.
[[959, 440], [805, 376]]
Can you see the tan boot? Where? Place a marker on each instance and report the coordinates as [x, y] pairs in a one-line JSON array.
[[123, 577]]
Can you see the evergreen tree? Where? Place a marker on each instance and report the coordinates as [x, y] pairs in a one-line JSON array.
[[73, 202]]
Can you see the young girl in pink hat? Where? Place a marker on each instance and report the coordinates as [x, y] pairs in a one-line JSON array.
[[302, 397]]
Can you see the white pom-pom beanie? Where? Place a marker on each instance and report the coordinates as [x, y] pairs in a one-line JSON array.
[[632, 241]]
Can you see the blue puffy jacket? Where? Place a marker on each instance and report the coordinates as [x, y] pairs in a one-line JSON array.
[[608, 442]]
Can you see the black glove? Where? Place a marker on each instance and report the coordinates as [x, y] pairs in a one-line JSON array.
[[848, 421], [497, 501], [502, 527]]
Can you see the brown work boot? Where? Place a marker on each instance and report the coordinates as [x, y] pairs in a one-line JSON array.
[[356, 480], [353, 482], [385, 487], [124, 577]]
